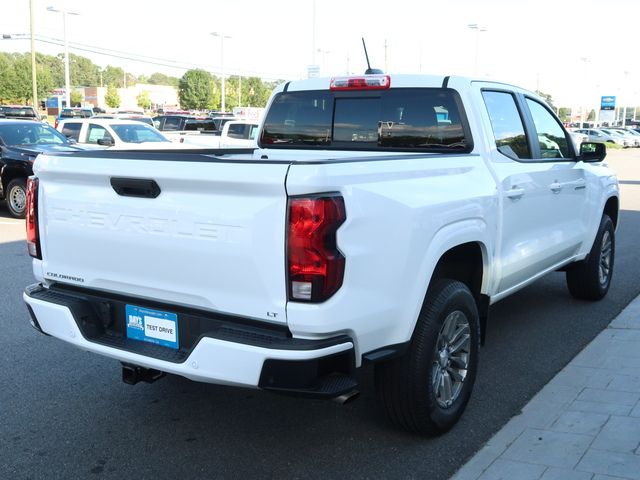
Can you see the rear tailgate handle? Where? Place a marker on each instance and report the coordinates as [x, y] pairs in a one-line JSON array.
[[135, 187]]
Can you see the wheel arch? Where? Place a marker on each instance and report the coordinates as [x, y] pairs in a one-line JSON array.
[[467, 263], [612, 209]]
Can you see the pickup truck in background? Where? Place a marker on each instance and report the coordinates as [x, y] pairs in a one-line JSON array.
[[177, 127], [378, 220], [235, 134], [113, 133]]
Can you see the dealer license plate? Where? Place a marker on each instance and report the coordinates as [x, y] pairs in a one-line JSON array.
[[153, 326]]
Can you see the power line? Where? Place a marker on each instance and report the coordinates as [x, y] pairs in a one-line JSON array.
[[163, 62]]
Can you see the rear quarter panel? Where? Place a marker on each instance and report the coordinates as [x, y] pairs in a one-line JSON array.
[[402, 215]]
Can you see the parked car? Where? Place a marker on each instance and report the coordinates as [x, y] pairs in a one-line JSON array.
[[235, 134], [128, 116], [113, 133], [629, 134], [599, 136], [578, 138], [376, 223], [626, 140], [74, 113], [20, 144], [18, 111]]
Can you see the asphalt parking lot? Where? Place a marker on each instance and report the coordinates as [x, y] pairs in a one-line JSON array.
[[65, 413]]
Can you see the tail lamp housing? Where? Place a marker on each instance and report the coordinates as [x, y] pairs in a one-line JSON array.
[[31, 219], [315, 264]]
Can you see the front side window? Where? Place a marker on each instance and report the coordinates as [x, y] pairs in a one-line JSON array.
[[507, 125], [424, 119], [551, 137]]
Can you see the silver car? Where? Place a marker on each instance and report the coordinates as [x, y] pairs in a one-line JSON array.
[[597, 135], [626, 140]]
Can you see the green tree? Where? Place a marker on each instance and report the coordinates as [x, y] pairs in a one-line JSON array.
[[112, 98], [592, 116], [54, 66], [144, 100], [158, 78], [113, 76], [564, 114], [83, 72], [76, 98], [196, 89], [547, 98]]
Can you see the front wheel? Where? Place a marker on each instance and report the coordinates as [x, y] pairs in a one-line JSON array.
[[427, 389], [17, 197], [590, 279]]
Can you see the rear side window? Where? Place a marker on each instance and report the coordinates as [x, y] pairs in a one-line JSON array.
[[200, 125], [506, 123], [72, 130], [172, 123], [551, 137], [424, 119], [238, 130]]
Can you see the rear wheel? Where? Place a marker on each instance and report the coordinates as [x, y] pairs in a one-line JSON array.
[[590, 279], [17, 197], [427, 389]]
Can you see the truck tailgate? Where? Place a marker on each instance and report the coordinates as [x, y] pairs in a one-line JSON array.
[[214, 237]]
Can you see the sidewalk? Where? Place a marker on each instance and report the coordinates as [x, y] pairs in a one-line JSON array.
[[584, 424]]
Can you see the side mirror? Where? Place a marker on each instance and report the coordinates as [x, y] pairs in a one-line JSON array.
[[107, 142], [592, 152]]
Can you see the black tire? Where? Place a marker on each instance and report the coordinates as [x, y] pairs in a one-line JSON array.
[[590, 279], [16, 197], [405, 385]]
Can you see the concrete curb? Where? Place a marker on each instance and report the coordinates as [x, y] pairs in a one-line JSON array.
[[584, 424]]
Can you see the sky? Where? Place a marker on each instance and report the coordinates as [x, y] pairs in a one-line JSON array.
[[575, 50]]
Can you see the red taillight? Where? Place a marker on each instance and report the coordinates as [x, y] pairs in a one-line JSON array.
[[316, 266], [56, 124], [367, 82], [33, 236]]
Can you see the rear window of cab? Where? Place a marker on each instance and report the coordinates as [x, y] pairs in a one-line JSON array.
[[412, 119]]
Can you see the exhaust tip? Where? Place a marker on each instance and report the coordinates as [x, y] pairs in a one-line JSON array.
[[347, 397]]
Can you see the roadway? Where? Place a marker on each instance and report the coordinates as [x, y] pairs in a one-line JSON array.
[[65, 413]]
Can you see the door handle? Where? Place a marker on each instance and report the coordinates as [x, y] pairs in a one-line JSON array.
[[515, 193], [555, 187], [580, 184]]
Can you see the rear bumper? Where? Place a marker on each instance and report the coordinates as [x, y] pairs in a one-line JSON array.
[[216, 348]]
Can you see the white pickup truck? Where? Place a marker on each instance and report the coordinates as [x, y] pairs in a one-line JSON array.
[[377, 221], [234, 134]]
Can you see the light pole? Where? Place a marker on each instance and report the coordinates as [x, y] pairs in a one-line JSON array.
[[324, 54], [624, 99], [34, 84], [222, 37], [584, 60], [478, 29], [67, 79]]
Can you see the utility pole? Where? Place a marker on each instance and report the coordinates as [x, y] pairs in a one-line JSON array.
[[386, 69], [34, 83]]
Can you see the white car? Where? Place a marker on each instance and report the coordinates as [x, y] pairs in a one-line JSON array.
[[114, 134]]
